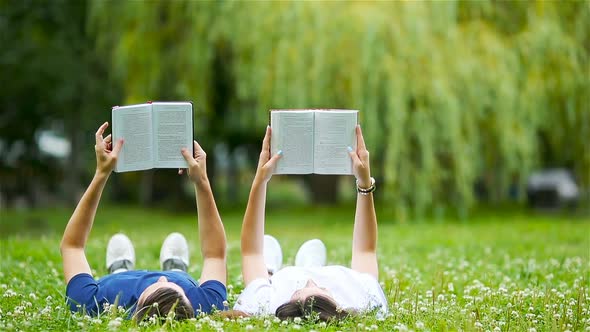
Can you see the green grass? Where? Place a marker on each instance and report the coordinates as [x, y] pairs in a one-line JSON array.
[[498, 272]]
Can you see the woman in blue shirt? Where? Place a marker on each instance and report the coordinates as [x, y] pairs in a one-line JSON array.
[[146, 293]]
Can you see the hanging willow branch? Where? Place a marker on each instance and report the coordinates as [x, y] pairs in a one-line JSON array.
[[450, 93]]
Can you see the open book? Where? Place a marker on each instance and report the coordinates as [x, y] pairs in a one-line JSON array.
[[313, 141], [154, 133]]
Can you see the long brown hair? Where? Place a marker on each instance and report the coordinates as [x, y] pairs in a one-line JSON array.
[[324, 307], [161, 302]]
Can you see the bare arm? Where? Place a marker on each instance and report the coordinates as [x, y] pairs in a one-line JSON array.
[[364, 238], [253, 266], [211, 230], [78, 228]]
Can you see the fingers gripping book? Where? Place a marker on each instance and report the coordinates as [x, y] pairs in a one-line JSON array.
[[313, 141], [153, 133]]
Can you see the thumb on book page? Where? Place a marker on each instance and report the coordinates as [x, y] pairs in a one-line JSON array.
[[355, 158], [117, 148], [187, 156], [272, 162]]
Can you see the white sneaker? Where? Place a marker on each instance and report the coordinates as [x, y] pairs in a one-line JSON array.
[[174, 253], [312, 253], [273, 254], [120, 255]]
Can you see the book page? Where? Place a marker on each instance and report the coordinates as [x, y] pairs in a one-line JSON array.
[[334, 133], [292, 132], [173, 130], [134, 125]]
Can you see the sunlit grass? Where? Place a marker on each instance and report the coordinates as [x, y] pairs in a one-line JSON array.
[[513, 271]]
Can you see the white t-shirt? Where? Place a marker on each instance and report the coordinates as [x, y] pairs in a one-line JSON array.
[[351, 289]]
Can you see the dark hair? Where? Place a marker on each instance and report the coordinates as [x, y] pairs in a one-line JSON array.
[[324, 307], [161, 302]]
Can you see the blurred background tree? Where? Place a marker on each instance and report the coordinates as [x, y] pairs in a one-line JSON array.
[[453, 95], [53, 83]]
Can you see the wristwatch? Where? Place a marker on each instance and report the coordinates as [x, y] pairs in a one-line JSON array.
[[366, 191]]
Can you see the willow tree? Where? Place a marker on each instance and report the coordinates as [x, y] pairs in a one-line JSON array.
[[450, 93]]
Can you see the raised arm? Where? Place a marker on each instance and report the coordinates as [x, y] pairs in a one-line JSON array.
[[211, 231], [364, 238], [253, 266], [76, 233]]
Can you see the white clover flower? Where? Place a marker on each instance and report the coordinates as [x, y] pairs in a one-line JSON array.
[[497, 329], [297, 320], [46, 310], [284, 322], [114, 324], [322, 324], [419, 325], [400, 327], [296, 326]]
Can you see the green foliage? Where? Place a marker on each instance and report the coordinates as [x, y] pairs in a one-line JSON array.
[[513, 272], [53, 81], [450, 92]]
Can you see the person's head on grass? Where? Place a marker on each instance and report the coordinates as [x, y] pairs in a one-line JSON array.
[[162, 299], [311, 301]]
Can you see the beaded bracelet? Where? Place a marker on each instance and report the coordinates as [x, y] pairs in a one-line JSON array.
[[366, 191]]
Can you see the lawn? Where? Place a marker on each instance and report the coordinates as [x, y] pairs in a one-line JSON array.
[[515, 271]]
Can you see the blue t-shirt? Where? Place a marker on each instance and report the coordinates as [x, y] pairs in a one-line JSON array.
[[92, 294]]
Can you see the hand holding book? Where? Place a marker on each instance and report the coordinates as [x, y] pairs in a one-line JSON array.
[[360, 160], [106, 154], [197, 164], [266, 163]]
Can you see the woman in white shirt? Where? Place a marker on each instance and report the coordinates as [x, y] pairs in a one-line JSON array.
[[331, 292]]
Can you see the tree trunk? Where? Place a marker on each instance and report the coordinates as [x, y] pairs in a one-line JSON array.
[[323, 188], [146, 187]]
